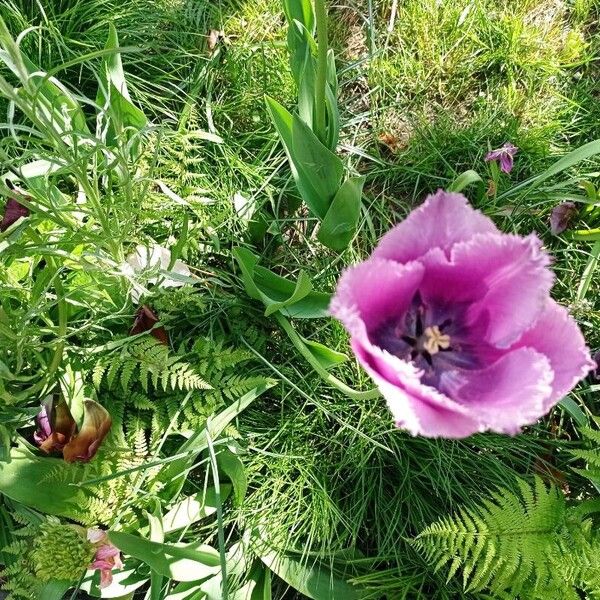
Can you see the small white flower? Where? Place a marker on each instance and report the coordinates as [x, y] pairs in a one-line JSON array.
[[152, 263]]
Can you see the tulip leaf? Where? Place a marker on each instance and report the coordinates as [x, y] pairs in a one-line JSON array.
[[262, 590], [178, 562], [301, 290], [331, 103], [231, 465], [113, 95], [283, 121], [123, 585], [301, 24], [316, 170], [326, 356], [306, 90], [278, 293], [174, 474], [194, 508], [316, 160], [464, 180], [187, 591], [311, 579], [55, 590], [339, 225], [157, 534], [27, 478], [35, 168], [112, 70]]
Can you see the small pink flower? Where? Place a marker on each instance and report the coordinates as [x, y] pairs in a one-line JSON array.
[[504, 156], [454, 322], [107, 557]]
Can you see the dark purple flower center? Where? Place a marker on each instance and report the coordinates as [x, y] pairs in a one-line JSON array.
[[431, 336]]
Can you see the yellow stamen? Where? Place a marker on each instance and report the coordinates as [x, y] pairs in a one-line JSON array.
[[435, 340]]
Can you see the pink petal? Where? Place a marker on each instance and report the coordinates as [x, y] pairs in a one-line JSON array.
[[442, 220], [105, 552], [561, 217], [375, 291], [556, 335], [493, 155], [106, 578], [96, 535], [506, 163], [101, 565], [512, 392], [514, 271], [418, 408]]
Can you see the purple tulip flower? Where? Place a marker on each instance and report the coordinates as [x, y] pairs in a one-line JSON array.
[[504, 156], [57, 430], [454, 322]]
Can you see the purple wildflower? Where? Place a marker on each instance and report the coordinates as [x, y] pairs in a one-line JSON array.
[[454, 322], [504, 156], [44, 429], [13, 211], [561, 217]]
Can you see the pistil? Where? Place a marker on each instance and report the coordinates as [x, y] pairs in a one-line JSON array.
[[435, 340]]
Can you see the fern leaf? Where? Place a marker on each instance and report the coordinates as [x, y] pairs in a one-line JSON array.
[[502, 544]]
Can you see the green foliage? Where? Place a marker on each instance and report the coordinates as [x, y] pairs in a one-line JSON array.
[[150, 389], [336, 488], [590, 455], [526, 544], [148, 363], [60, 551], [45, 551]]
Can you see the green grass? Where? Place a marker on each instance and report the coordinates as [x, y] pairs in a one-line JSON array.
[[328, 476]]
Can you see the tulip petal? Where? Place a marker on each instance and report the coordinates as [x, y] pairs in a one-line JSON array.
[[96, 424], [374, 291], [561, 217], [96, 536], [106, 578], [441, 221], [106, 552], [556, 335], [506, 163], [145, 320], [510, 393], [517, 281], [62, 426], [418, 408]]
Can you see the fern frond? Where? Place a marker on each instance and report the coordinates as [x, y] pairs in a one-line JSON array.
[[503, 544]]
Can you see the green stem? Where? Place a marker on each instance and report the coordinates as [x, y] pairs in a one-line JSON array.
[[321, 80], [220, 529], [316, 365], [588, 272]]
